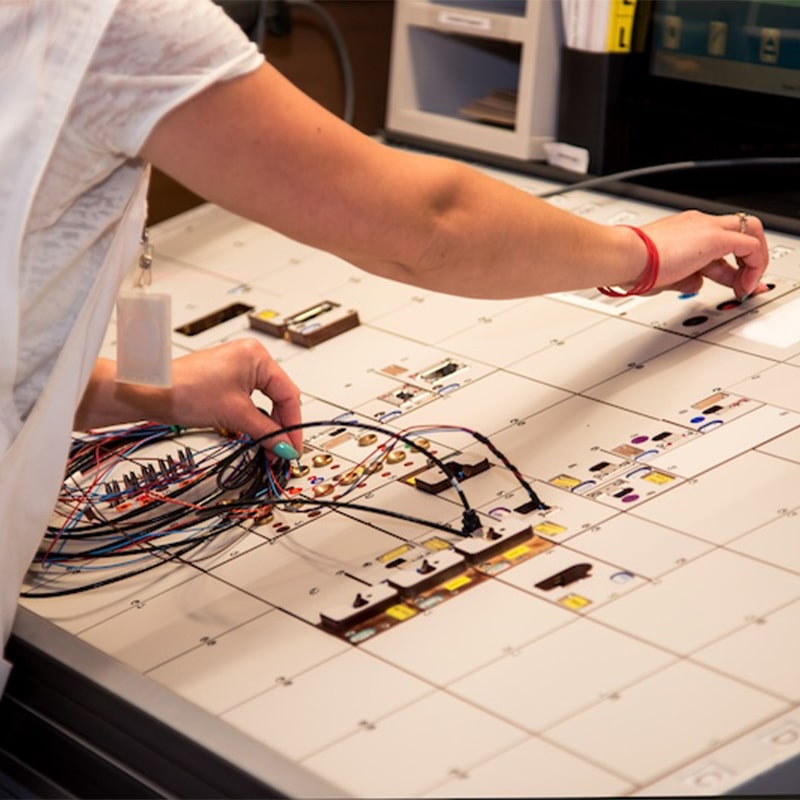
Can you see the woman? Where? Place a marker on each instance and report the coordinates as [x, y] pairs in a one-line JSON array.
[[95, 90]]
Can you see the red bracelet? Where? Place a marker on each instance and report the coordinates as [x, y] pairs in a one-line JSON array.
[[650, 274]]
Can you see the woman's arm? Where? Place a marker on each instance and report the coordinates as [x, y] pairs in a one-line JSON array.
[[259, 147]]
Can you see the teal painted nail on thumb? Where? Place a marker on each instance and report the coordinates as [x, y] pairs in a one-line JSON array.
[[285, 450]]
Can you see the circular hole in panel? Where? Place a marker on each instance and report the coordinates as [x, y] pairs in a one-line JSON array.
[[639, 439], [630, 498], [728, 305], [697, 420], [694, 321], [687, 295]]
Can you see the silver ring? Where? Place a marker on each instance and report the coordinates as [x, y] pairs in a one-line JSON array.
[[742, 221]]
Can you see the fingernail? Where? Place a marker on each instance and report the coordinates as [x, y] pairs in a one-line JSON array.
[[285, 450], [745, 297]]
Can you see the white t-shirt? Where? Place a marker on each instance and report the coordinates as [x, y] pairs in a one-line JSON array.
[[82, 85]]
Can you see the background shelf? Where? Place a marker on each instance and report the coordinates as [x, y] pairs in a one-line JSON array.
[[447, 55]]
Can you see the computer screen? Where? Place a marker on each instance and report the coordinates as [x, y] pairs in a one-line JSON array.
[[712, 81], [751, 45]]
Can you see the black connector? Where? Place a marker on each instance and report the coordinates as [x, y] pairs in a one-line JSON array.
[[470, 522], [567, 576], [535, 504]]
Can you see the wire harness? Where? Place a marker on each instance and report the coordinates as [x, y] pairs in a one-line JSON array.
[[138, 497]]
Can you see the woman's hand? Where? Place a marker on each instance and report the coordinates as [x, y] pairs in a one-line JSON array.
[[212, 387], [693, 246]]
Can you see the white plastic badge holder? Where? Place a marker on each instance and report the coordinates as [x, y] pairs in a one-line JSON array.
[[144, 350]]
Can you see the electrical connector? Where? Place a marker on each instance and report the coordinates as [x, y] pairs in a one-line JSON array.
[[470, 522]]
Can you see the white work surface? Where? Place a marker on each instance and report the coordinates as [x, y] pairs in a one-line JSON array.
[[670, 669]]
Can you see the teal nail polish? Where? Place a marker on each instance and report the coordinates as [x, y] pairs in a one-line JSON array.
[[745, 297], [285, 450]]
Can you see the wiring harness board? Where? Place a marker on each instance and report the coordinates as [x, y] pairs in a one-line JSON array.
[[535, 547]]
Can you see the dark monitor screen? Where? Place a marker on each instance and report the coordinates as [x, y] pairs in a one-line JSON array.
[[750, 45], [719, 80]]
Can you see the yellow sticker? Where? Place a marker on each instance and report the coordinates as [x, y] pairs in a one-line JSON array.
[[266, 314], [393, 554], [400, 612], [574, 601], [549, 528], [658, 477], [436, 543], [516, 552], [457, 583], [565, 481]]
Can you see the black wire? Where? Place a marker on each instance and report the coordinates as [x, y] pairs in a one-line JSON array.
[[674, 166], [538, 503], [110, 580], [131, 521], [317, 501], [375, 429], [131, 528], [245, 470]]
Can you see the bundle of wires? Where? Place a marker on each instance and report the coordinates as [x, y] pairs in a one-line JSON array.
[[137, 497], [127, 506], [368, 465]]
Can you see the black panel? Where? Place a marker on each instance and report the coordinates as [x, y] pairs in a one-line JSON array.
[[63, 735]]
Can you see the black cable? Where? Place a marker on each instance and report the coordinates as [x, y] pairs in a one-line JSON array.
[[675, 166], [107, 581], [374, 429], [538, 503], [244, 473], [337, 504], [342, 52], [126, 536]]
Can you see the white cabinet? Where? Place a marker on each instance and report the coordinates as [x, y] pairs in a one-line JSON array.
[[456, 64]]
